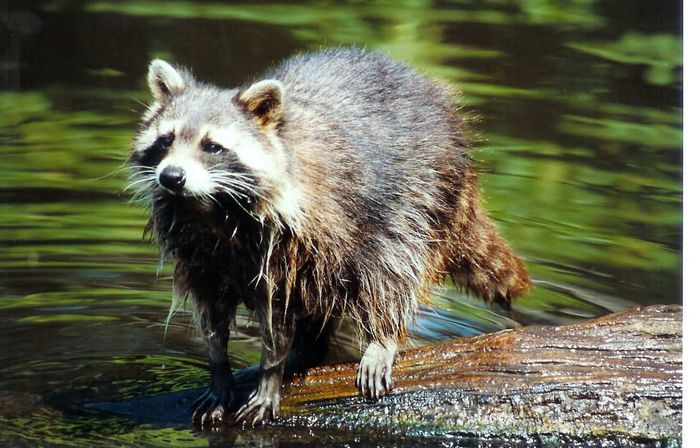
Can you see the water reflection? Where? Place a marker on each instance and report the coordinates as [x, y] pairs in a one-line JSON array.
[[580, 123]]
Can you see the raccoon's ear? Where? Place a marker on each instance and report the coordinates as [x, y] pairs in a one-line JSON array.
[[164, 80], [264, 101]]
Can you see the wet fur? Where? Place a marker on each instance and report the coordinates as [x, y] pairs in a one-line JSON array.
[[377, 201]]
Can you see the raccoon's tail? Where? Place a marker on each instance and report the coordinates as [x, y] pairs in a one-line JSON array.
[[483, 263]]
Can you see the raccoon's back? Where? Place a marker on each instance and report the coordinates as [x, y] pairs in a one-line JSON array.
[[376, 134], [366, 99]]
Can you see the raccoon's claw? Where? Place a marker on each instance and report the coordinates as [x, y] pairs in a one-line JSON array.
[[263, 403], [257, 409], [374, 374], [211, 408]]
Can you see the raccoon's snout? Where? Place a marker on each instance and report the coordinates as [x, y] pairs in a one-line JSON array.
[[172, 178]]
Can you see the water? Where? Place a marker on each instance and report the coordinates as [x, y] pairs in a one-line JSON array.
[[581, 154]]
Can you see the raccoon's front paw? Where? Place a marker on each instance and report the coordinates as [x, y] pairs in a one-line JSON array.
[[374, 374], [263, 403], [211, 407]]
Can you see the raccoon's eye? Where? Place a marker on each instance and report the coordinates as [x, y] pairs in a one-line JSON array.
[[155, 153], [212, 148], [164, 141]]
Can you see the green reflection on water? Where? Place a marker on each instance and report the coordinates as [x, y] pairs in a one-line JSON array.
[[66, 318], [49, 428], [165, 437], [572, 12], [660, 52]]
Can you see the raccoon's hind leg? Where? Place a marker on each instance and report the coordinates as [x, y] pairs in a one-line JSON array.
[[374, 374], [311, 345]]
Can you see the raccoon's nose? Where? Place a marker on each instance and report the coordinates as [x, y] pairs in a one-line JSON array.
[[172, 178]]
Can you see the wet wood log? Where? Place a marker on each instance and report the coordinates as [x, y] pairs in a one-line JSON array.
[[619, 375], [614, 377]]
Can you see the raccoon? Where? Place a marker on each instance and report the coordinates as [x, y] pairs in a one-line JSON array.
[[337, 185]]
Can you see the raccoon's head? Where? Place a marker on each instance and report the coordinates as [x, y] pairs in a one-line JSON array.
[[212, 145]]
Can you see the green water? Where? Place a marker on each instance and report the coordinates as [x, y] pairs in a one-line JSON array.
[[581, 159]]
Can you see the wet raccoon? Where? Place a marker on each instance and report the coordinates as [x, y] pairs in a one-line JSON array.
[[338, 185]]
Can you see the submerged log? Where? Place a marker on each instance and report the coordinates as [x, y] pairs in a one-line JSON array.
[[617, 377]]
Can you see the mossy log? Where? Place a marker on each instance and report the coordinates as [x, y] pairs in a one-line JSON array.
[[617, 377]]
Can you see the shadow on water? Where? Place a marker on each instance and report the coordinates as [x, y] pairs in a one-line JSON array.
[[580, 122]]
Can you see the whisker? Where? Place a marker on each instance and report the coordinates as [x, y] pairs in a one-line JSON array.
[[240, 205], [137, 182], [230, 173], [230, 180], [236, 184], [122, 167]]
